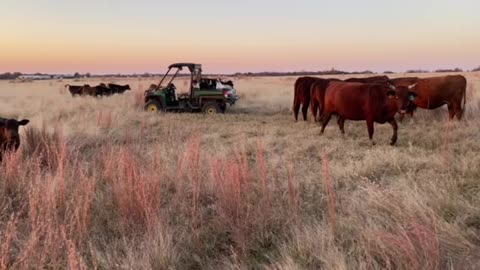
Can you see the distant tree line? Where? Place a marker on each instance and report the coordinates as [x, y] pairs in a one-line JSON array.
[[15, 75], [10, 76], [449, 70], [300, 73]]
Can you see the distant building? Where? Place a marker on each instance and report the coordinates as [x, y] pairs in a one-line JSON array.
[[34, 77], [28, 77]]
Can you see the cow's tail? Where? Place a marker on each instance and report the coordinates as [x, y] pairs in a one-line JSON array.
[[464, 96], [296, 105]]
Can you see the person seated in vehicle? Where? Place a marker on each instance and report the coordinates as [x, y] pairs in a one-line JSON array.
[[195, 84], [203, 84], [170, 93]]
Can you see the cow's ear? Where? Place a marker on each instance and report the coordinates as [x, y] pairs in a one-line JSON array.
[[412, 95], [391, 94], [23, 122], [410, 87]]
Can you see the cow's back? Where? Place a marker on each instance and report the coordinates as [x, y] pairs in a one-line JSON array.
[[373, 79], [302, 86], [436, 91], [348, 99], [404, 81]]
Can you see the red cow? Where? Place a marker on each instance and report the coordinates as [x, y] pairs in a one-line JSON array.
[[435, 92], [302, 96], [317, 94], [371, 102]]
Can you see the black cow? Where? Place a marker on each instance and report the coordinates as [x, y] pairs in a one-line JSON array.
[[9, 137]]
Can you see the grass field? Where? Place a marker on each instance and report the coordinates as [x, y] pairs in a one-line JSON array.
[[101, 184]]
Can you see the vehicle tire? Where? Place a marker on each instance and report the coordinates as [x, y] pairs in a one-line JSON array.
[[153, 106], [210, 108]]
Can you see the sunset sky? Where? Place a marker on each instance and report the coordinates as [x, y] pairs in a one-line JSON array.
[[62, 36]]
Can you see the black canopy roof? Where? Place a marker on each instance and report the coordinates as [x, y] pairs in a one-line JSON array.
[[191, 66]]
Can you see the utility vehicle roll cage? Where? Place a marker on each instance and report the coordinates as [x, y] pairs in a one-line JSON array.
[[195, 73]]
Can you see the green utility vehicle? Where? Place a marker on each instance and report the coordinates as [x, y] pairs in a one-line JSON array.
[[206, 95]]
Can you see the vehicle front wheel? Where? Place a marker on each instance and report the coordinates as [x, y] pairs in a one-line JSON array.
[[211, 108], [153, 106]]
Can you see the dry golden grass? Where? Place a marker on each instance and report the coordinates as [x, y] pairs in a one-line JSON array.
[[98, 183]]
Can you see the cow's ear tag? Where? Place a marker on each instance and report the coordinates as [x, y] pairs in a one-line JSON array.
[[411, 97]]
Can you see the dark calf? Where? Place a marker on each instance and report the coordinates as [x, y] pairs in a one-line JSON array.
[[118, 89], [9, 137]]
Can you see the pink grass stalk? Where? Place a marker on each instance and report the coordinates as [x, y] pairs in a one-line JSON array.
[[75, 261], [330, 193], [261, 167], [138, 98], [292, 196], [6, 241], [415, 246], [61, 155], [447, 152], [193, 150], [240, 154]]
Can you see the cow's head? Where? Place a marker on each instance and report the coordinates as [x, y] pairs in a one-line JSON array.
[[403, 96], [9, 127]]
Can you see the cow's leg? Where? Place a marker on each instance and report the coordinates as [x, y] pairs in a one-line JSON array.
[[451, 111], [320, 111], [370, 130], [314, 109], [341, 124], [325, 119], [296, 109], [305, 110], [401, 117], [457, 108], [395, 129]]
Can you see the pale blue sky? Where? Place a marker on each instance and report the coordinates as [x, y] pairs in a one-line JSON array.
[[228, 36]]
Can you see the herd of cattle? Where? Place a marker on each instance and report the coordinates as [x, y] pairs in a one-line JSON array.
[[377, 99], [97, 91]]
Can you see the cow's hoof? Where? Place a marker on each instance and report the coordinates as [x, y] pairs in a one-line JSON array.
[[373, 142], [393, 141]]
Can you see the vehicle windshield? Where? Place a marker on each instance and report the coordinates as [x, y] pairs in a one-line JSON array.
[[180, 78]]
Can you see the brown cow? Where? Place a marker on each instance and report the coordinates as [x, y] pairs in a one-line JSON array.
[[9, 137], [302, 96], [152, 87], [435, 92], [371, 102], [95, 91], [374, 79], [317, 94], [75, 89]]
